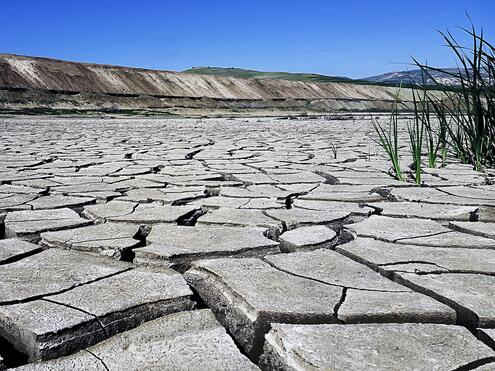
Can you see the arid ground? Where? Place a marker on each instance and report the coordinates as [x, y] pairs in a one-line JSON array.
[[236, 244]]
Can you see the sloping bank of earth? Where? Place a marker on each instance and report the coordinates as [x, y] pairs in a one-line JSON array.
[[35, 85]]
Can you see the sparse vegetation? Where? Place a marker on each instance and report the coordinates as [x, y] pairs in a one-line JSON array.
[[460, 119], [389, 141], [416, 133], [334, 150], [466, 116], [434, 131]]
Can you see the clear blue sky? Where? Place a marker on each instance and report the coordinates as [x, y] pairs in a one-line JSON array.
[[354, 38]]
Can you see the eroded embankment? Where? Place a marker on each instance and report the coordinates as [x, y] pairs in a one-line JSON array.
[[29, 82]]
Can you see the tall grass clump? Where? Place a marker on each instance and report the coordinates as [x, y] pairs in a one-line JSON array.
[[434, 131], [388, 140], [465, 114]]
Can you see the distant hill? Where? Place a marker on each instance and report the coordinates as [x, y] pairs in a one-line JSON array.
[[253, 74], [391, 79], [415, 77], [45, 83]]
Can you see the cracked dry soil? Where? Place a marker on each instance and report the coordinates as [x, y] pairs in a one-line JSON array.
[[238, 244]]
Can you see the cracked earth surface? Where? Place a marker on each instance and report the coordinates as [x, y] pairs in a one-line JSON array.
[[237, 244]]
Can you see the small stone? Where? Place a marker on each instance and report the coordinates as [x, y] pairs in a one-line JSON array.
[[307, 238]]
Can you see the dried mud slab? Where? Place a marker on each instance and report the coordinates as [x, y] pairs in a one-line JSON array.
[[247, 295], [52, 271], [392, 257], [366, 295], [436, 196], [109, 239], [57, 302], [371, 346], [14, 249], [353, 208], [12, 202], [240, 217], [470, 294], [180, 245], [295, 218], [487, 336], [419, 254], [478, 229], [255, 191], [101, 212], [298, 178], [216, 202], [347, 193], [464, 279], [189, 340], [416, 232], [28, 225], [153, 214], [54, 202], [425, 211]]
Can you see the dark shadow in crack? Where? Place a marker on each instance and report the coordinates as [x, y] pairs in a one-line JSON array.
[[11, 356]]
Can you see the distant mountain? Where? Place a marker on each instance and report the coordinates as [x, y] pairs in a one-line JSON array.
[[252, 74], [415, 77]]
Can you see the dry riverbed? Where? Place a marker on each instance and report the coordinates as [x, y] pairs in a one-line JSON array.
[[234, 244]]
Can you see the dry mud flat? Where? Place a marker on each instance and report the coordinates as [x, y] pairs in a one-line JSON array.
[[237, 244]]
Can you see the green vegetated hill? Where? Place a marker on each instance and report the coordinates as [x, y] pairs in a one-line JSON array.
[[382, 80], [252, 74]]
